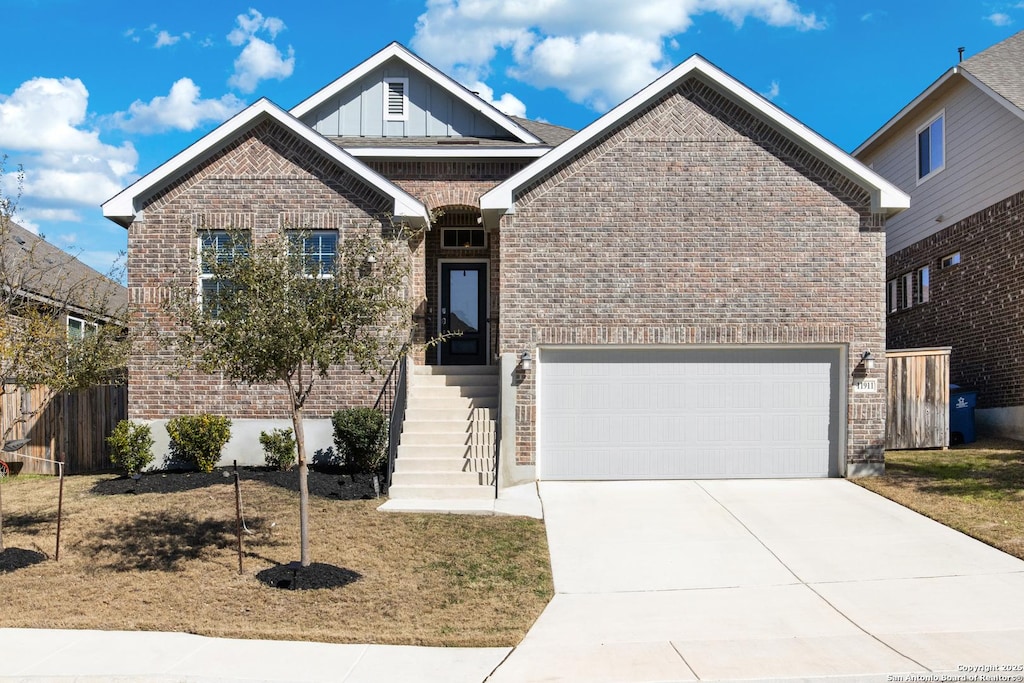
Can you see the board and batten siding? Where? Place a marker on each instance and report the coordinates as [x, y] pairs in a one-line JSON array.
[[918, 387], [984, 162], [358, 111]]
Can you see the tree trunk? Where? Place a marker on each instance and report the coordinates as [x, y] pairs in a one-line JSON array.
[[300, 443], [1, 519]]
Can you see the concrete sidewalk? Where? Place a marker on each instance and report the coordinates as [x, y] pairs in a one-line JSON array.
[[56, 655], [790, 579]]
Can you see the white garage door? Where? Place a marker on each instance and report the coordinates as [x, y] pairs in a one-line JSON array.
[[688, 414]]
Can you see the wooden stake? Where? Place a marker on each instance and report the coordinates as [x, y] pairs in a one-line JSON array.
[[238, 516]]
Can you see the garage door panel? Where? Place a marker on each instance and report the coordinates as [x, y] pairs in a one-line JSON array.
[[637, 414]]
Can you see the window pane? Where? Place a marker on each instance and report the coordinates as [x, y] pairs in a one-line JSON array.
[[75, 328], [936, 151], [218, 245], [923, 153]]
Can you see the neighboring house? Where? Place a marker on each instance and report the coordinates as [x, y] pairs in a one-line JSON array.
[[685, 288], [954, 259], [38, 273]]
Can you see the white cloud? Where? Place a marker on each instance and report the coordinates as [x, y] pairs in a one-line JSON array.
[[181, 109], [507, 104], [44, 127], [597, 52], [164, 39], [259, 59], [999, 19], [772, 92]]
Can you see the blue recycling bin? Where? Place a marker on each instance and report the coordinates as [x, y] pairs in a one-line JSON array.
[[961, 416]]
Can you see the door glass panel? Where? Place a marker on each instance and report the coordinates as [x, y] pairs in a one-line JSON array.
[[465, 304]]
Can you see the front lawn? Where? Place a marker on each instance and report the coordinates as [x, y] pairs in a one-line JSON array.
[[160, 554], [976, 488]]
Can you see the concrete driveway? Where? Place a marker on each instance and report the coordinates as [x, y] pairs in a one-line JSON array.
[[717, 580]]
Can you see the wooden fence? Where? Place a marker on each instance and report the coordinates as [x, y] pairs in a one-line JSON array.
[[72, 426], [918, 398]]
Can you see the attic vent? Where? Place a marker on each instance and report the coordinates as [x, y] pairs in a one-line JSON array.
[[396, 99]]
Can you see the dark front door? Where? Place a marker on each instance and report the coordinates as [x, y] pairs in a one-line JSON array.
[[464, 313]]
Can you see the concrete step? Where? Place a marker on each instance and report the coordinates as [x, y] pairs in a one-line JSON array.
[[444, 438], [480, 464], [450, 380], [424, 413], [442, 479], [429, 451], [427, 492], [438, 426], [455, 370], [472, 391], [451, 403]]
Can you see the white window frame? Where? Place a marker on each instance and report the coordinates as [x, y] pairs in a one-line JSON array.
[[891, 299], [294, 235], [906, 296], [199, 258], [950, 260], [922, 285], [87, 328], [933, 171], [388, 115]]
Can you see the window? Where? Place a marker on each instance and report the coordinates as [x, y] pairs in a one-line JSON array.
[[319, 248], [396, 99], [216, 246], [464, 238], [931, 147], [950, 261], [921, 285], [80, 329], [890, 296], [908, 287]]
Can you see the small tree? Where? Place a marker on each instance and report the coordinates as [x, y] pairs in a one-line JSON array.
[[278, 315]]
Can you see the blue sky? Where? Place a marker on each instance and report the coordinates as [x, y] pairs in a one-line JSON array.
[[95, 94]]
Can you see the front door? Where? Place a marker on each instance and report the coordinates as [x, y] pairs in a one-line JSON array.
[[464, 313]]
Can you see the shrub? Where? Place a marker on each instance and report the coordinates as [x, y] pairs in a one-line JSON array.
[[361, 436], [199, 439], [131, 446], [278, 448]]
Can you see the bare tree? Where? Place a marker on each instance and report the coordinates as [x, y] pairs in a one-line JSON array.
[[276, 314]]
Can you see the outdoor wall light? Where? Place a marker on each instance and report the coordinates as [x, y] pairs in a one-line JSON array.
[[868, 360], [525, 362]]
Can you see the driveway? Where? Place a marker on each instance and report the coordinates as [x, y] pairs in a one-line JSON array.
[[717, 580]]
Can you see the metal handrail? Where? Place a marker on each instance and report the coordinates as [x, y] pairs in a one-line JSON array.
[[391, 401]]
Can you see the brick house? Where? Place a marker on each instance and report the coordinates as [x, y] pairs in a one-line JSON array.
[[685, 288], [953, 259]]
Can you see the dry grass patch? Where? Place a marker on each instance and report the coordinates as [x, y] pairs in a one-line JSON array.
[[976, 488], [161, 555]]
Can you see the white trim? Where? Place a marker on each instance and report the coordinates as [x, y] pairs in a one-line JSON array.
[[447, 151], [906, 111], [400, 52], [902, 113], [404, 114], [487, 302], [950, 260], [87, 325], [892, 298], [885, 197], [932, 172], [123, 207], [907, 299]]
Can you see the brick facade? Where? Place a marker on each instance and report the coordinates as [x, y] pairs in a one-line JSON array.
[[263, 182], [695, 223], [975, 306]]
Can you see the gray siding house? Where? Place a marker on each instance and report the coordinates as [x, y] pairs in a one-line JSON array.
[[953, 260], [691, 286]]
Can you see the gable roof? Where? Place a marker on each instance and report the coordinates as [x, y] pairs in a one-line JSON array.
[[885, 197], [123, 207], [997, 71], [406, 56], [49, 274]]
